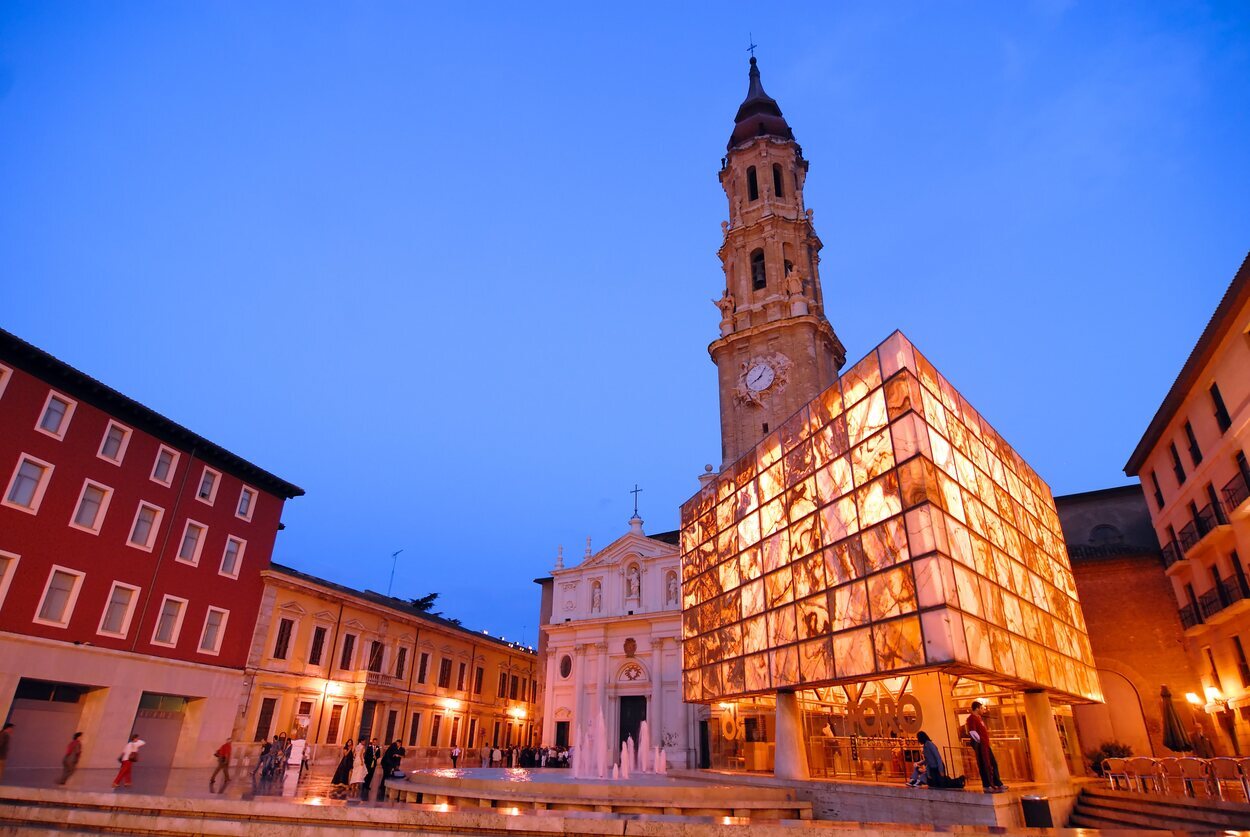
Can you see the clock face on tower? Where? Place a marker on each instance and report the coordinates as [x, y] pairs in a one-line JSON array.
[[760, 377]]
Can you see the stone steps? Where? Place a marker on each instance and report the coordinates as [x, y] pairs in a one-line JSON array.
[[1103, 808]]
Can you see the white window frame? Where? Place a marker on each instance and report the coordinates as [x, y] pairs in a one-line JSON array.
[[71, 405], [238, 561], [6, 578], [199, 543], [5, 374], [121, 450], [221, 631], [156, 525], [130, 611], [79, 575], [212, 494], [173, 466], [251, 506], [42, 487], [104, 507], [177, 631]]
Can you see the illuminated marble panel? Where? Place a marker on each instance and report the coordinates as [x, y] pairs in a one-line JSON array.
[[885, 528]]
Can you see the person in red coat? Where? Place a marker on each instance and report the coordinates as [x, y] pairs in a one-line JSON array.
[[986, 763]]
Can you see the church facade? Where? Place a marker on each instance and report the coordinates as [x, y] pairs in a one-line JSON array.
[[611, 629]]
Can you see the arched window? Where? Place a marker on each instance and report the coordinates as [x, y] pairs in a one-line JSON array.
[[777, 190], [1104, 534], [753, 185], [759, 279]]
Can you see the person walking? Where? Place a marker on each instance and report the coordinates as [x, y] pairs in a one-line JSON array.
[[262, 761], [986, 763], [484, 752], [127, 759], [69, 762], [5, 735], [455, 756], [223, 766]]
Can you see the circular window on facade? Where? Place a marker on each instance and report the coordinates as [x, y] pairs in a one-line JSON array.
[[566, 665]]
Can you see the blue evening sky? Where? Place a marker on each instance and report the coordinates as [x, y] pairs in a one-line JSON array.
[[449, 267]]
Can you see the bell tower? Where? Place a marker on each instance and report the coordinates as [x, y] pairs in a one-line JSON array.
[[776, 350]]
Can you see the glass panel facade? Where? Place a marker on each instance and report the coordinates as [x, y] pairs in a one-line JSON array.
[[883, 529]]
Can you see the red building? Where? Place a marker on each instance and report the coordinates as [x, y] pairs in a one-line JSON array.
[[130, 559]]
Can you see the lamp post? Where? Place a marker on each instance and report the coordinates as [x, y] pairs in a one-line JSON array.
[[1225, 713]]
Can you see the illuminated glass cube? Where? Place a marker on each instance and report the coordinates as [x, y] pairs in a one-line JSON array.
[[883, 529]]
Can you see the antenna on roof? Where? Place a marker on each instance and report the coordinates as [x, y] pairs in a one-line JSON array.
[[391, 583]]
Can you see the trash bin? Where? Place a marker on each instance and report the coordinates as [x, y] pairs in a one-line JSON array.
[[1037, 812]]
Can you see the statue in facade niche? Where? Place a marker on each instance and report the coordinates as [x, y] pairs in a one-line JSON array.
[[794, 283], [672, 589], [632, 580], [596, 598]]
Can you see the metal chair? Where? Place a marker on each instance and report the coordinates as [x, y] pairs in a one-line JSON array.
[[1113, 769], [1171, 777], [1145, 773], [1226, 771], [1197, 773]]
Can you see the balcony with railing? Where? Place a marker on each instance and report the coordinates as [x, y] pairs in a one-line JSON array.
[[1173, 557], [377, 678], [1236, 492], [1209, 518], [1225, 601], [1190, 617]]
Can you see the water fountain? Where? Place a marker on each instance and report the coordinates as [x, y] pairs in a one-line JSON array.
[[644, 748], [625, 759]]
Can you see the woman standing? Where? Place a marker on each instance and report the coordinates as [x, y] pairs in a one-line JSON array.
[[358, 769], [343, 772]]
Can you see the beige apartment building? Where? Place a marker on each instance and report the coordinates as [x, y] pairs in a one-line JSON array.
[[1193, 467], [329, 663]]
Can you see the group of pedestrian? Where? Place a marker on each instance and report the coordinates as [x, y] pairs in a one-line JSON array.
[[931, 771], [272, 762], [492, 756], [359, 762]]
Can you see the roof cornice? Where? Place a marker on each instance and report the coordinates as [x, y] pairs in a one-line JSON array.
[[62, 376]]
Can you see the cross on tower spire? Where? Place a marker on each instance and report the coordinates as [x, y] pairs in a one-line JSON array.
[[753, 46], [636, 492]]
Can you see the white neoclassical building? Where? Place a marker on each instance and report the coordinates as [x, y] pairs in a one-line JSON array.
[[611, 640]]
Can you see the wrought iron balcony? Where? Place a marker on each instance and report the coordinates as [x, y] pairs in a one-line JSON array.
[[1171, 554], [1189, 617], [1210, 603], [1209, 516], [1236, 492], [1233, 591]]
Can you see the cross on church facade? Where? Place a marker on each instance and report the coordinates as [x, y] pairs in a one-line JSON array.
[[636, 492]]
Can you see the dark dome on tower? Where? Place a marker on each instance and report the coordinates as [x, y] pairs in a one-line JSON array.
[[759, 115]]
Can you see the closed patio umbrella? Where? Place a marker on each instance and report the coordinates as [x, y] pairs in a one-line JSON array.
[[1175, 737]]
